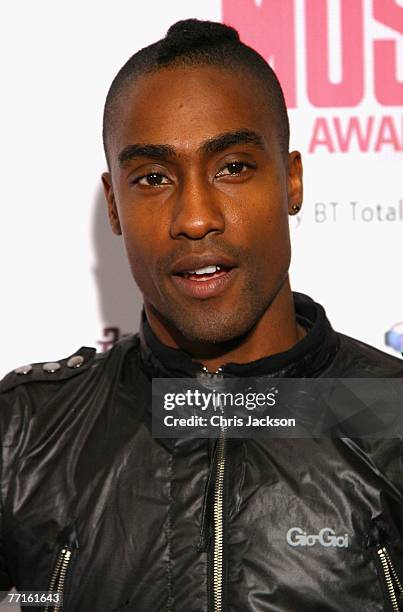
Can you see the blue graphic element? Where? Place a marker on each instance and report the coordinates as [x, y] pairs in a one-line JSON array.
[[394, 337]]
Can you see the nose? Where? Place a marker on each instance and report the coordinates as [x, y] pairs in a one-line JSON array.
[[197, 210]]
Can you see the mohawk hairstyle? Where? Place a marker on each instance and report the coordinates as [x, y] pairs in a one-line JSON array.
[[192, 42]]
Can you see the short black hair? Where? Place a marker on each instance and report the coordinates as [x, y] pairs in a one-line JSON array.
[[192, 42]]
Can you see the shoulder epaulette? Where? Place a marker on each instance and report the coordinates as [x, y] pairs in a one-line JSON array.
[[50, 371]]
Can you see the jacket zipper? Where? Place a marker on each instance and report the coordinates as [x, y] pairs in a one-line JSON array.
[[58, 577], [392, 581], [218, 512]]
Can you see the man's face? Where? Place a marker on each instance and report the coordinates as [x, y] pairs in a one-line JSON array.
[[201, 192]]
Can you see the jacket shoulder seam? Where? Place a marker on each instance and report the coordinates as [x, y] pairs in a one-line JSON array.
[[52, 371]]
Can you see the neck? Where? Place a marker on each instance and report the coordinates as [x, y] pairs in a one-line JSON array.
[[275, 332]]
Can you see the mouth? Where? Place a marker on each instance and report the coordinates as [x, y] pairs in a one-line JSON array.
[[205, 273], [205, 281]]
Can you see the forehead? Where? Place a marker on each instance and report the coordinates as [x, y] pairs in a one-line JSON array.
[[183, 106]]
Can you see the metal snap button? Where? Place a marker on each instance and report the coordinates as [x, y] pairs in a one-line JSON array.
[[25, 369], [75, 362], [51, 367]]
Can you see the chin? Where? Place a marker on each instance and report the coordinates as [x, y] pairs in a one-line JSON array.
[[219, 323], [213, 327]]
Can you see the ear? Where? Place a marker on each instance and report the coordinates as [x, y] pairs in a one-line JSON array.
[[294, 182], [110, 198]]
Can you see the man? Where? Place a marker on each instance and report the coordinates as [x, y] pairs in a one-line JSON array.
[[200, 185]]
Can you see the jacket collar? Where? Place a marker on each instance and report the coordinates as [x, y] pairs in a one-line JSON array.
[[307, 359]]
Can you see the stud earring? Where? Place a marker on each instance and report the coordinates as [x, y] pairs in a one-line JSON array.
[[295, 208]]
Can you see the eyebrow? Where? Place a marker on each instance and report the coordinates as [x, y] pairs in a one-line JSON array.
[[158, 152], [216, 144], [228, 139]]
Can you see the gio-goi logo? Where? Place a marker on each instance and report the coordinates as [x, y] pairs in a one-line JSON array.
[[326, 537]]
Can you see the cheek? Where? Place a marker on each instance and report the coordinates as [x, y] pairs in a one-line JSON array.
[[263, 226], [138, 243], [269, 240], [262, 205], [144, 235]]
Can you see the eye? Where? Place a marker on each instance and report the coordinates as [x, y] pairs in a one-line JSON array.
[[154, 179], [234, 168]]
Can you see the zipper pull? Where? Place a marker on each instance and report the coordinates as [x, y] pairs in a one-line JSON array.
[[68, 543], [68, 537]]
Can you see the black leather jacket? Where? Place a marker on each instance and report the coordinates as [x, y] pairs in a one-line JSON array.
[[93, 504]]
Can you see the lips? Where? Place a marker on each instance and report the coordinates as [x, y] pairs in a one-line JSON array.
[[203, 276], [201, 272], [191, 263]]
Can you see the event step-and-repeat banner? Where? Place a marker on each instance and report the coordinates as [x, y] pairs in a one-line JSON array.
[[64, 274]]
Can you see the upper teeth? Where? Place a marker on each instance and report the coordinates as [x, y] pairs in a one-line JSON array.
[[206, 270]]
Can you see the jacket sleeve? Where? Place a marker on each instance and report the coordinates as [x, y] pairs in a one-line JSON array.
[[5, 580], [20, 395], [6, 411]]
